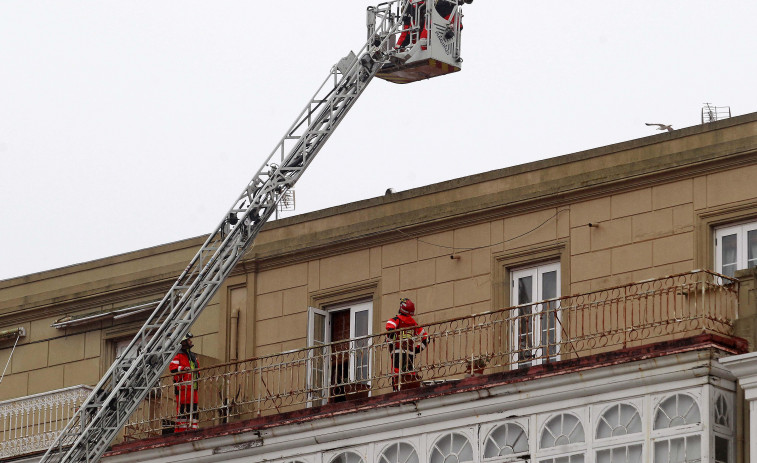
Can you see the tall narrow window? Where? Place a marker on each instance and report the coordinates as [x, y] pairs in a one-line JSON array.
[[679, 410], [535, 329], [735, 248], [339, 361]]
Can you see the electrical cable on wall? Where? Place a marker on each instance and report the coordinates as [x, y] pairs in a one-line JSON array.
[[19, 332], [455, 248]]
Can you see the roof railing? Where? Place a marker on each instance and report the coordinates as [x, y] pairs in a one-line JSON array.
[[548, 331]]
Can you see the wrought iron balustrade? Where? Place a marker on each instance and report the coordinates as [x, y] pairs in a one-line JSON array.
[[30, 424], [548, 331]]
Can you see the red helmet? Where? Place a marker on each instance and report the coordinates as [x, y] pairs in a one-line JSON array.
[[407, 307]]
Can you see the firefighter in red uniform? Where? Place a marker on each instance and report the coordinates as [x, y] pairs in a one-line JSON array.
[[415, 10], [184, 367], [407, 339]]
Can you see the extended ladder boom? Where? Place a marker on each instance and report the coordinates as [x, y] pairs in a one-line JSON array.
[[128, 381], [134, 373]]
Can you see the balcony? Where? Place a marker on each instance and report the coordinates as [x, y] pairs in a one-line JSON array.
[[547, 332], [30, 424], [544, 333]]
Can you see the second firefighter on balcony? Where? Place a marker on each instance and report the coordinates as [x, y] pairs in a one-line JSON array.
[[406, 339], [184, 367]]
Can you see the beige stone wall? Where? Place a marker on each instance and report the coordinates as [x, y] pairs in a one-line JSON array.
[[652, 204], [50, 358]]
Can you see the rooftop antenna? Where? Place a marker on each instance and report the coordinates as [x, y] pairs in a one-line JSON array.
[[712, 113]]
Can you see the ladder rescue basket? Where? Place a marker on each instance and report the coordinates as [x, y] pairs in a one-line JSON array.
[[428, 43]]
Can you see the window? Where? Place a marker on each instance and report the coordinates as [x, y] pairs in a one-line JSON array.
[[507, 440], [339, 364], [677, 410], [619, 427], [624, 454], [562, 440], [735, 248], [619, 420], [452, 448], [678, 450], [122, 344], [347, 457], [562, 429], [400, 452], [536, 333], [577, 458], [722, 411]]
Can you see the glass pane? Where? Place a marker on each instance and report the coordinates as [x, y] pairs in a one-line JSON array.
[[506, 439], [693, 448], [549, 285], [722, 450], [722, 414], [562, 430], [630, 454], [525, 319], [728, 255], [399, 453], [347, 457], [678, 410], [362, 355], [319, 328], [577, 458], [618, 420], [452, 448], [549, 314], [751, 249], [525, 290], [678, 450]]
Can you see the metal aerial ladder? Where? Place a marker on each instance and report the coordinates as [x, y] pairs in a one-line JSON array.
[[130, 378]]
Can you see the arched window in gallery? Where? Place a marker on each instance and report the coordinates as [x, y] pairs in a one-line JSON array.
[[562, 429], [618, 420], [452, 448], [722, 411], [508, 439], [677, 410], [400, 452], [347, 457]]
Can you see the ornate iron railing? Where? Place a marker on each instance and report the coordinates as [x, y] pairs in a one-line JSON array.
[[548, 331], [31, 424]]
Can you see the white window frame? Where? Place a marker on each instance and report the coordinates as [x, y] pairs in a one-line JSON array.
[[742, 232], [677, 432], [719, 430], [617, 442], [470, 433], [538, 453], [354, 308], [537, 274], [488, 428]]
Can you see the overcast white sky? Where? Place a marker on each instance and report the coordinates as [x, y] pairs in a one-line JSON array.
[[125, 125]]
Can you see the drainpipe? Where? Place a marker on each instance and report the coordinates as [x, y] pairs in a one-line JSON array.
[[233, 347]]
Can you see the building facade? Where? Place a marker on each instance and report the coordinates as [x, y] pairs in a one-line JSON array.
[[578, 309]]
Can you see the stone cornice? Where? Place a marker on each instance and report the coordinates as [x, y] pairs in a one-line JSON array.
[[507, 203], [550, 183]]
